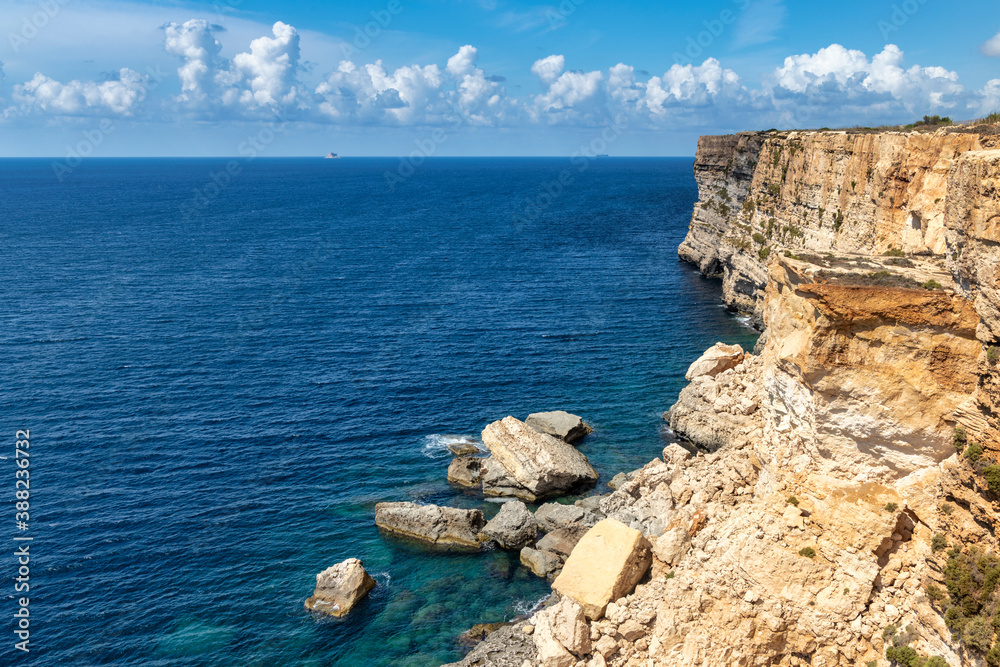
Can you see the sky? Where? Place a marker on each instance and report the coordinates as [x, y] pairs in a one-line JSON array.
[[475, 77]]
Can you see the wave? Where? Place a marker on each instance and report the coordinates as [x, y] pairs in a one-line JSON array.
[[436, 446]]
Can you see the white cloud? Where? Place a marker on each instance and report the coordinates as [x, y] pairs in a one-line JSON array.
[[369, 93], [271, 69], [119, 96], [478, 100], [206, 78], [992, 46], [835, 79]]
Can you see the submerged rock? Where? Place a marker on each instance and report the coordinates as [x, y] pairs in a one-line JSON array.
[[340, 588], [568, 428], [441, 526], [540, 463], [513, 527], [606, 565], [562, 540], [466, 471]]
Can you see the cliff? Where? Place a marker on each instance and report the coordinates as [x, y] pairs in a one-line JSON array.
[[845, 506]]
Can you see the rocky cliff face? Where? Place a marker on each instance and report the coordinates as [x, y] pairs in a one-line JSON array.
[[849, 501]]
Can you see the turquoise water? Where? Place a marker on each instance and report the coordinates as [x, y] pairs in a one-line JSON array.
[[218, 400]]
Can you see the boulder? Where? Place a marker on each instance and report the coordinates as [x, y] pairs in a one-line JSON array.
[[441, 526], [719, 358], [551, 516], [568, 428], [606, 565], [507, 647], [561, 634], [592, 503], [463, 448], [540, 463], [498, 483], [618, 480], [562, 540], [513, 527], [339, 588], [542, 563], [675, 455], [465, 471], [671, 547]]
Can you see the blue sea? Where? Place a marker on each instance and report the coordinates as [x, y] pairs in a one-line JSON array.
[[222, 376]]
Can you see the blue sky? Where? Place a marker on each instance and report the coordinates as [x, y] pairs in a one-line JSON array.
[[475, 77]]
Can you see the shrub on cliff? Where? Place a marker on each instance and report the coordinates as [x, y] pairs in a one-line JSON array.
[[808, 552], [960, 439], [993, 354], [974, 452], [992, 475], [938, 543], [971, 613]]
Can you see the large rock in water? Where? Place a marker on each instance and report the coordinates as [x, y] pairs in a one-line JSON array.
[[339, 588], [513, 527], [719, 358], [605, 566], [465, 471], [540, 463], [568, 428], [498, 483], [441, 526]]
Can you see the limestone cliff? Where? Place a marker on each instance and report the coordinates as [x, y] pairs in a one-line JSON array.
[[834, 513]]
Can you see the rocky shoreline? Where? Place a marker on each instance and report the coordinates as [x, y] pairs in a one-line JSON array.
[[844, 505]]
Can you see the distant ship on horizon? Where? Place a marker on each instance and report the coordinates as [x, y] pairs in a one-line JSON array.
[[332, 156]]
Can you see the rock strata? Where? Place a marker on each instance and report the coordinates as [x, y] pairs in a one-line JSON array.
[[539, 463], [568, 428], [339, 588], [440, 526]]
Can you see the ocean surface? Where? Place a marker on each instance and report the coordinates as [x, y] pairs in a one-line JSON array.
[[221, 378]]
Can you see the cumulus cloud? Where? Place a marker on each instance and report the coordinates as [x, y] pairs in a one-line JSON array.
[[846, 81], [207, 80], [570, 96], [479, 100], [992, 46], [370, 94], [119, 96], [271, 68]]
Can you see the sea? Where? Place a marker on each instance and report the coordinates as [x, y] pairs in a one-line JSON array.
[[223, 365]]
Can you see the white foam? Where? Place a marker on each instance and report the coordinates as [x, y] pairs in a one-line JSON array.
[[436, 446], [528, 608]]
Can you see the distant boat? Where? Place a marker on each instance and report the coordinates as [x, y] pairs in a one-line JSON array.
[[332, 156]]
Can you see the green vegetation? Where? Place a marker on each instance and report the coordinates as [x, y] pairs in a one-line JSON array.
[[759, 238], [894, 252], [947, 508], [790, 255], [838, 220], [992, 119], [774, 189], [870, 172], [854, 185], [670, 575], [930, 122], [974, 452], [993, 354], [970, 612], [935, 593], [991, 474], [891, 507], [742, 244], [808, 552], [938, 543], [932, 285], [792, 500], [959, 438], [724, 210], [875, 279], [749, 206], [764, 253], [899, 651]]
